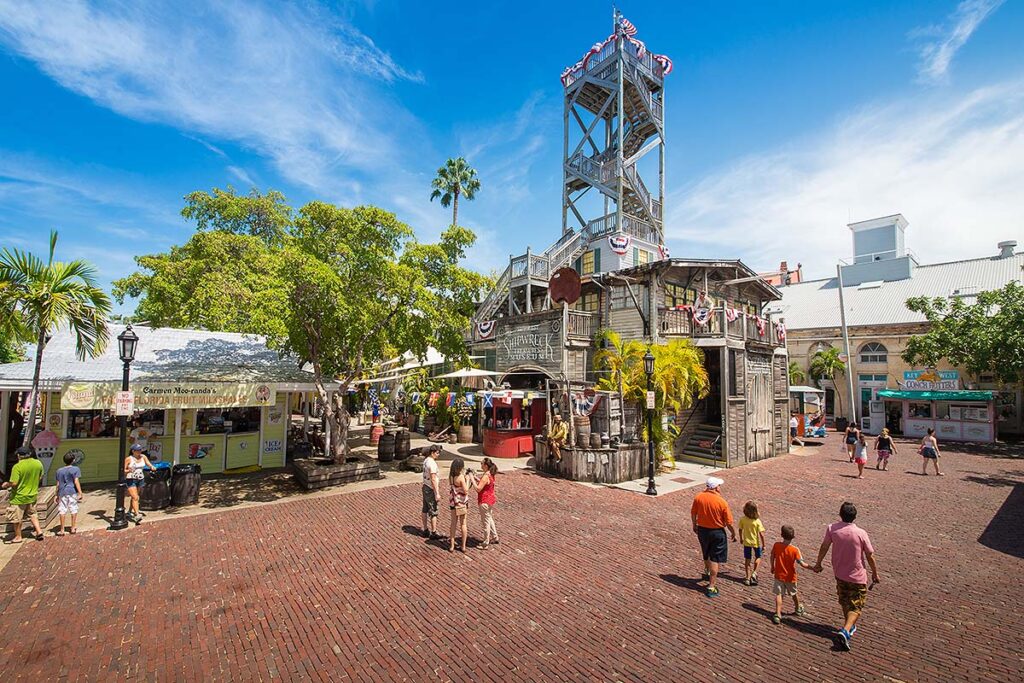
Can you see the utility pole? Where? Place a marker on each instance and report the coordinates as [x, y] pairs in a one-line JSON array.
[[846, 343]]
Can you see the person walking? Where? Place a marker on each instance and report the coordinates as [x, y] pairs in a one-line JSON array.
[[860, 454], [852, 434], [930, 451], [69, 493], [458, 504], [24, 481], [884, 448], [431, 491], [785, 557], [851, 547], [794, 425], [486, 500], [711, 516], [752, 537], [135, 479]]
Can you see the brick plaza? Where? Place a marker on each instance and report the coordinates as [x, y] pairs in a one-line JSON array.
[[587, 584]]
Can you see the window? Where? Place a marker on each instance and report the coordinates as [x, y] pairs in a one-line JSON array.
[[590, 262], [746, 307], [644, 257], [90, 424], [677, 295], [734, 390], [589, 303], [621, 298], [218, 420], [873, 352]]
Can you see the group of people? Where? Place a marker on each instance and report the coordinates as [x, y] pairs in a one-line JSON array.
[[24, 482], [885, 448], [851, 551], [461, 481]]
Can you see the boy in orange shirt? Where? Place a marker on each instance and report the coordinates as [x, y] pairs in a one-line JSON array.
[[785, 556]]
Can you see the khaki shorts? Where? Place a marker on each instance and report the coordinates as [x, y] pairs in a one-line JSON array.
[[783, 588], [852, 596], [19, 513]]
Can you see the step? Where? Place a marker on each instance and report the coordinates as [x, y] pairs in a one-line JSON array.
[[700, 459]]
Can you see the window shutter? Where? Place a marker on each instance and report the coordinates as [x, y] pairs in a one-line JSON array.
[[597, 260], [578, 265], [636, 256]]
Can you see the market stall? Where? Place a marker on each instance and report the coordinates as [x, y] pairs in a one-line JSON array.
[[512, 419], [809, 405], [960, 415]]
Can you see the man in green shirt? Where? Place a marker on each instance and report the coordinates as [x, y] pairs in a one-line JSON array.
[[26, 476]]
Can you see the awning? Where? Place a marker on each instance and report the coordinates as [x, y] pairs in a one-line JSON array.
[[468, 372], [805, 390], [937, 395]]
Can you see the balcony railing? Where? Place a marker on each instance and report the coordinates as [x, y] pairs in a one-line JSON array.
[[646, 64], [582, 325], [680, 323], [537, 267], [606, 225]]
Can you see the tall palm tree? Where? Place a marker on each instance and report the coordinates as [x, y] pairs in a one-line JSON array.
[[455, 179], [827, 364], [36, 299]]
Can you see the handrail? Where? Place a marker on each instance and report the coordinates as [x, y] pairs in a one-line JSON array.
[[581, 324], [593, 168], [631, 225]]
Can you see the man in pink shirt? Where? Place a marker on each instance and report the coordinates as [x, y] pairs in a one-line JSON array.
[[850, 548]]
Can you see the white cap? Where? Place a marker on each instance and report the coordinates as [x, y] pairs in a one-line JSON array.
[[714, 482]]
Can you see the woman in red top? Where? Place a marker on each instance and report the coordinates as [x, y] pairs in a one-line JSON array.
[[485, 500]]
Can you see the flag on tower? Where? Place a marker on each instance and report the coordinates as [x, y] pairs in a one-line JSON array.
[[627, 26]]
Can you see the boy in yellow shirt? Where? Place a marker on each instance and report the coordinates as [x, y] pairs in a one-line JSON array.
[[752, 536]]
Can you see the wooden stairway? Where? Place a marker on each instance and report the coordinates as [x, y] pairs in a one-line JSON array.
[[704, 446]]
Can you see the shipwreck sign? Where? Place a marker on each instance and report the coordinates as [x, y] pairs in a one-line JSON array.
[[530, 341]]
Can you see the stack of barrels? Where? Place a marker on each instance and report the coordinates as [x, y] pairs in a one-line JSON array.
[[582, 430], [402, 444], [375, 432]]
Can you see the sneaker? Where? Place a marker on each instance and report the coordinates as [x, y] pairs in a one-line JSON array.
[[711, 593], [753, 579], [746, 582], [853, 629], [776, 619], [843, 639], [800, 612]]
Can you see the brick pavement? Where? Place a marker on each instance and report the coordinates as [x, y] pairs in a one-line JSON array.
[[588, 584]]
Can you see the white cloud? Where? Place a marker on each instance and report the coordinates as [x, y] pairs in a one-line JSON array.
[[289, 82], [240, 174], [939, 44], [952, 164]]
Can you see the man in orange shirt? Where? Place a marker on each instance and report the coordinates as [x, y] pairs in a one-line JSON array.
[[711, 517]]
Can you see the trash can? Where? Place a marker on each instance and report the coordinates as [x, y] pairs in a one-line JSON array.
[[185, 484], [156, 494]]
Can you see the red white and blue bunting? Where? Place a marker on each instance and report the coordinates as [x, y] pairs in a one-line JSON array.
[[780, 327], [485, 329], [585, 405], [701, 316], [663, 252], [731, 314], [620, 243], [628, 31]]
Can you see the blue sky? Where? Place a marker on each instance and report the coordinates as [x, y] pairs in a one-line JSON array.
[[785, 121]]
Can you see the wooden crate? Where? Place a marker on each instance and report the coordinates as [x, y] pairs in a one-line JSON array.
[[46, 508]]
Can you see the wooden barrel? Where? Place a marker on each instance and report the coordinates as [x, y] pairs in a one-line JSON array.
[[428, 423], [402, 445], [595, 440], [386, 447], [465, 434], [375, 431]]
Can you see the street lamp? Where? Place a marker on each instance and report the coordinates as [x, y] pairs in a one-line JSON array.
[[127, 341], [649, 369]]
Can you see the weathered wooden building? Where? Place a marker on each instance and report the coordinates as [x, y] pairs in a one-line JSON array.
[[613, 236]]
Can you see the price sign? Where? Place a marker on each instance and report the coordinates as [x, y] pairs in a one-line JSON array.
[[650, 400], [124, 403]]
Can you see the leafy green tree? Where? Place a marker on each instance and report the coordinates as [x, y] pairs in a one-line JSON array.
[[11, 350], [679, 379], [796, 373], [986, 336], [266, 216], [343, 291], [37, 299], [826, 364], [455, 179]]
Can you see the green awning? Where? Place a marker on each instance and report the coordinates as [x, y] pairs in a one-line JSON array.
[[937, 395]]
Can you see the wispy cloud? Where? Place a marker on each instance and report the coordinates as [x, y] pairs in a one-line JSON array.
[[240, 174], [290, 82], [952, 164], [939, 44]]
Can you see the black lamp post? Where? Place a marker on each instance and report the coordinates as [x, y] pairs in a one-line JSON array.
[[126, 343], [649, 369]]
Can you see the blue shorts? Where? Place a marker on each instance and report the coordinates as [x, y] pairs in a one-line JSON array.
[[137, 483], [749, 551]]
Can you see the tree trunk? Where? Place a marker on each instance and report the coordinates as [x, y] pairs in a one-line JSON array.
[[339, 427], [31, 425], [839, 396], [455, 209]]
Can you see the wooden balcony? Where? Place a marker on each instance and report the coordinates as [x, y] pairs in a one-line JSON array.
[[581, 325], [679, 323]]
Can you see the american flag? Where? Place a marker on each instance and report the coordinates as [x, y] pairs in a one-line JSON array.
[[627, 26]]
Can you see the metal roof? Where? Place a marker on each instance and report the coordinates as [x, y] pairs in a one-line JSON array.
[[163, 354], [815, 303]]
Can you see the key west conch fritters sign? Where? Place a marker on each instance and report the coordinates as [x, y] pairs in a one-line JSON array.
[[163, 395]]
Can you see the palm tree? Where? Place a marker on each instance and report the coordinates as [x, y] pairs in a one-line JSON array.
[[827, 364], [455, 179], [36, 299], [796, 373]]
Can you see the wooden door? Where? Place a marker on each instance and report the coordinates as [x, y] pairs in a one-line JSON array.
[[759, 413]]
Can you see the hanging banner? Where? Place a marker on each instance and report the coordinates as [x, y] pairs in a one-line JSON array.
[[485, 329], [166, 395], [780, 327], [619, 243], [702, 316], [731, 314], [488, 399], [432, 400], [663, 252]]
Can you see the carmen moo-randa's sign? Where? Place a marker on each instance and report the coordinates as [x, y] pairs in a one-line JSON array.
[[931, 380], [165, 395]]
